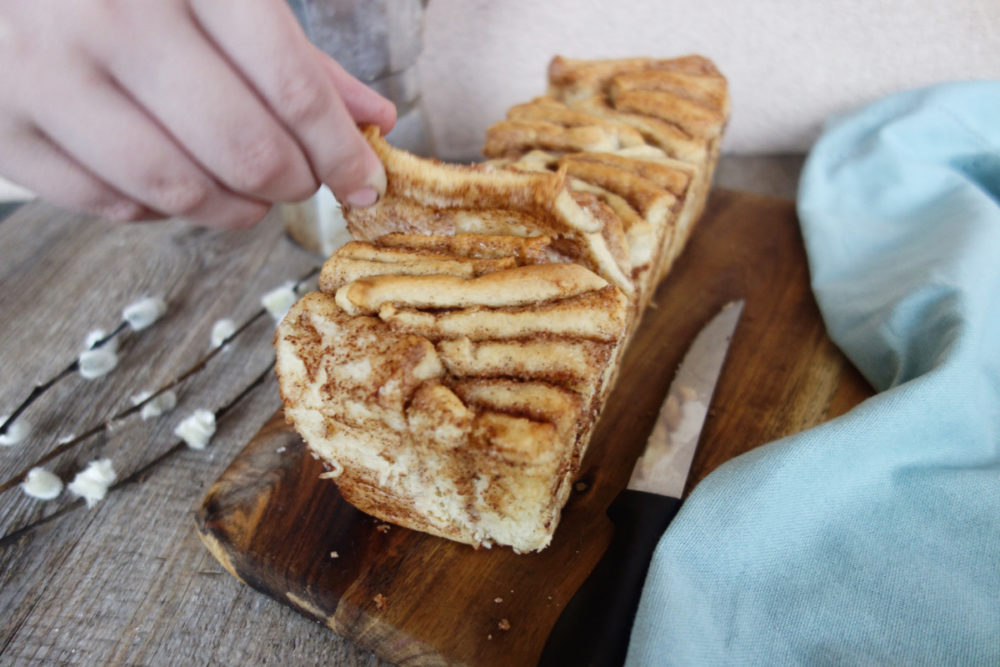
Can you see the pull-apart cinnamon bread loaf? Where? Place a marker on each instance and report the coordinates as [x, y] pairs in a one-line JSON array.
[[454, 362]]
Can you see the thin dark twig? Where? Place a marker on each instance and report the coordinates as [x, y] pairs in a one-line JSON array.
[[140, 474], [48, 384]]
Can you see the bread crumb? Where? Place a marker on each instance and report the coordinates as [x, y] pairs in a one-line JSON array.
[[197, 429], [221, 331], [334, 554], [498, 600], [504, 624], [381, 601], [144, 312], [92, 482], [489, 636], [42, 484], [383, 528]]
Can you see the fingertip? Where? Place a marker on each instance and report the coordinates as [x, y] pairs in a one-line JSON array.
[[364, 192], [363, 198], [376, 110]]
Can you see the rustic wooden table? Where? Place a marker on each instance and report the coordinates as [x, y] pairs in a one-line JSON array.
[[128, 581]]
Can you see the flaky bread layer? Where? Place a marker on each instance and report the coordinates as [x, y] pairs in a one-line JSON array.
[[429, 430], [518, 286], [599, 316], [571, 79], [358, 259], [693, 118], [652, 202], [398, 215], [427, 188], [431, 183], [693, 207], [673, 177], [553, 111], [512, 137], [570, 363], [709, 91], [670, 137], [533, 250]]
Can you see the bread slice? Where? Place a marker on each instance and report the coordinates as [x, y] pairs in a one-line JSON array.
[[454, 363], [450, 404]]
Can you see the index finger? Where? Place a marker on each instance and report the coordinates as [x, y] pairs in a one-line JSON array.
[[365, 105], [263, 40]]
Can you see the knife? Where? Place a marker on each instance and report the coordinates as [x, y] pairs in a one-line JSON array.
[[595, 626]]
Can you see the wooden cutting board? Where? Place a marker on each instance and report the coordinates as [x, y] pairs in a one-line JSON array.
[[417, 599]]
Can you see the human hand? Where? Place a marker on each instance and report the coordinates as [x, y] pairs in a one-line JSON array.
[[206, 109]]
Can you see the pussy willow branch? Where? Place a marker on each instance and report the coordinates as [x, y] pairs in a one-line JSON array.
[[43, 387], [105, 425], [140, 474]]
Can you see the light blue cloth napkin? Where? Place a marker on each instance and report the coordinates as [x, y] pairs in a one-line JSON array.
[[874, 538]]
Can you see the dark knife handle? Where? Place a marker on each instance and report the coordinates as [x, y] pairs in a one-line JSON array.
[[595, 626]]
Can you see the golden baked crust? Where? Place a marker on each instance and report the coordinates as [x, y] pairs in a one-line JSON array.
[[694, 119], [670, 175], [451, 369], [571, 78], [494, 197], [512, 137], [431, 183], [518, 286], [548, 124], [361, 260], [553, 111], [670, 137], [679, 105], [521, 250], [654, 203]]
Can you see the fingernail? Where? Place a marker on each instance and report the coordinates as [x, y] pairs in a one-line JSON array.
[[366, 196]]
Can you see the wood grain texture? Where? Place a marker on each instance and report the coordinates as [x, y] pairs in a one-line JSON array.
[[97, 269], [128, 581], [417, 599]]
